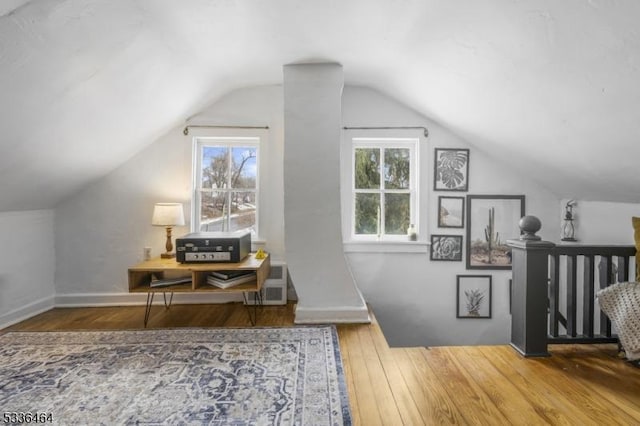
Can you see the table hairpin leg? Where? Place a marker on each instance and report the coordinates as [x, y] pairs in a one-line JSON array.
[[147, 309], [257, 299], [167, 306]]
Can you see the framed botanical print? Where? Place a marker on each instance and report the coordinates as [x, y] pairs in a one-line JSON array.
[[473, 296], [491, 221], [451, 169], [450, 212], [446, 247]]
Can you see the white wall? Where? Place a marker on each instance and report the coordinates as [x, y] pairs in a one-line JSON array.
[[27, 264], [412, 297], [101, 231], [598, 222]]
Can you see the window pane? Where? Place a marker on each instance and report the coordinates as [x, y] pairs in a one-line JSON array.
[[367, 206], [214, 167], [244, 171], [243, 211], [397, 166], [213, 211], [397, 209], [367, 168]]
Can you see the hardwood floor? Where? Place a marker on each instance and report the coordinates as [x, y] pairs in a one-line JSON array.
[[486, 385]]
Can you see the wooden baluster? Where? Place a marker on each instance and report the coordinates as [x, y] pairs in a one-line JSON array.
[[537, 317], [588, 306], [623, 269], [572, 295], [554, 294], [605, 280]]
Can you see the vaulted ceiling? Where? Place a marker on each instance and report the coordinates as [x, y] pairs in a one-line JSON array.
[[550, 86]]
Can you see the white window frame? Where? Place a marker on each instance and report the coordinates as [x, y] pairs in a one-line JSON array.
[[386, 143], [400, 243], [231, 139]]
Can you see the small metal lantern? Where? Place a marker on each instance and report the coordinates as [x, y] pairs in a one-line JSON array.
[[568, 229]]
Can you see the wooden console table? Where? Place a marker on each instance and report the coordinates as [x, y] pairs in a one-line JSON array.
[[142, 274]]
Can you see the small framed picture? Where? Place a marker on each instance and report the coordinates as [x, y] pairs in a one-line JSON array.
[[446, 247], [450, 212], [451, 169], [473, 298]]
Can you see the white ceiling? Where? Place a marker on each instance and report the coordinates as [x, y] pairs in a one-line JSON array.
[[552, 86]]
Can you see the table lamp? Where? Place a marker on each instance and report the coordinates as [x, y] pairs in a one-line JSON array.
[[168, 215]]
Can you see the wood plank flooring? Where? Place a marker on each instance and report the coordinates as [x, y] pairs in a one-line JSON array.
[[475, 385]]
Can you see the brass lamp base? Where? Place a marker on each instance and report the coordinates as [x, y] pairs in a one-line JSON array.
[[169, 246]]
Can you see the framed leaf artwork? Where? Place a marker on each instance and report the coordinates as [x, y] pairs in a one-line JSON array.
[[451, 167]]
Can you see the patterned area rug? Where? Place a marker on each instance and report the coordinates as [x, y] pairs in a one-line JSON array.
[[248, 376]]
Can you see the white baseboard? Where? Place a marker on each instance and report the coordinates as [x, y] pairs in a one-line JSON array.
[[132, 299], [26, 312], [303, 315], [340, 314]]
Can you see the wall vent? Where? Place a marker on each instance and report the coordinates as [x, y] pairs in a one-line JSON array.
[[274, 290]]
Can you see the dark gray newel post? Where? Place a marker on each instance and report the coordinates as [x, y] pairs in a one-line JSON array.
[[530, 260]]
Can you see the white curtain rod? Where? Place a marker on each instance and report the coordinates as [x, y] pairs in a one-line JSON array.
[[212, 126], [426, 131]]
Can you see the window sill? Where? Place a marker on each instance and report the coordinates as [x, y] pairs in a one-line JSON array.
[[386, 246], [258, 243]]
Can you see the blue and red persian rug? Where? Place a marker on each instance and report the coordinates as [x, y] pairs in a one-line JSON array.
[[239, 376]]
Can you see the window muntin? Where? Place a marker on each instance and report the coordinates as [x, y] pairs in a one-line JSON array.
[[384, 188], [226, 184]]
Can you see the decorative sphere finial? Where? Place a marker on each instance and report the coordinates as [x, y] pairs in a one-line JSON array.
[[529, 226]]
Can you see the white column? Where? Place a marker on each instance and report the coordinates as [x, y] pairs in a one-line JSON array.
[[313, 240]]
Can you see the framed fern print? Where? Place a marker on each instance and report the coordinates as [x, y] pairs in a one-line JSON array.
[[451, 167], [473, 296]]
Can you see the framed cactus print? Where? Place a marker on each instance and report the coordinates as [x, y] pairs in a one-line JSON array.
[[491, 221], [451, 169], [473, 296]]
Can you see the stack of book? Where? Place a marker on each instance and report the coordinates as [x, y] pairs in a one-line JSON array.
[[167, 282], [226, 279]]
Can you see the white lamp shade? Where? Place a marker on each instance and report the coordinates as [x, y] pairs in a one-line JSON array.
[[168, 214]]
